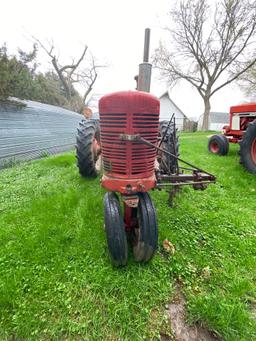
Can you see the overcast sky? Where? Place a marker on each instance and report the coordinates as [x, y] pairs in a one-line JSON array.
[[113, 31]]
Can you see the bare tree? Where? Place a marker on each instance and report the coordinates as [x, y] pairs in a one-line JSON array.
[[248, 83], [75, 72], [211, 47], [94, 100], [88, 77]]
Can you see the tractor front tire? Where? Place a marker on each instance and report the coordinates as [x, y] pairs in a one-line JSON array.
[[115, 230], [218, 144], [146, 235], [167, 163], [88, 136], [248, 148]]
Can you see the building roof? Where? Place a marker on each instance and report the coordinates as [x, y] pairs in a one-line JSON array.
[[219, 117], [167, 93], [40, 107]]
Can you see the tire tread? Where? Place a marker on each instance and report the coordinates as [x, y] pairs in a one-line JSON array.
[[86, 132]]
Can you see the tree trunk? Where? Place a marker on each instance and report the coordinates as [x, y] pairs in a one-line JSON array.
[[207, 108], [62, 79]]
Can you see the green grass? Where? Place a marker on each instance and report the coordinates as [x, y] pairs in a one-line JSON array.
[[56, 280]]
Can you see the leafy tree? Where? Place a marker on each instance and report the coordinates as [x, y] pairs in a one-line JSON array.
[[4, 74], [16, 74], [48, 89], [209, 50]]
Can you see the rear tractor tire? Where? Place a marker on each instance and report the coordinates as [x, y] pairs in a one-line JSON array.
[[218, 144], [248, 148], [88, 147], [115, 230], [167, 163]]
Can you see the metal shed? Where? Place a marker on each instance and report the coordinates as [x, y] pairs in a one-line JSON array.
[[34, 130]]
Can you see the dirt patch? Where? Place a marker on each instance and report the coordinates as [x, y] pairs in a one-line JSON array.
[[180, 329]]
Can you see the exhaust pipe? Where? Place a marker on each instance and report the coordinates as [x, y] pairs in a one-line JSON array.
[[144, 78]]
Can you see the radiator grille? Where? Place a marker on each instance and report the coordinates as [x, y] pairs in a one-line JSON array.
[[128, 158], [113, 150]]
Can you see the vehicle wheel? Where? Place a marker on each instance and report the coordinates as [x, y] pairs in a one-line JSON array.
[[88, 147], [115, 230], [248, 148], [168, 163], [218, 144], [146, 235]]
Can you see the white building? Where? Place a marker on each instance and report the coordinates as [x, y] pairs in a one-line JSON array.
[[217, 120], [168, 108]]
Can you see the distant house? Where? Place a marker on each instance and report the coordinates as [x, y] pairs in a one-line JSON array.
[[217, 120], [168, 108]]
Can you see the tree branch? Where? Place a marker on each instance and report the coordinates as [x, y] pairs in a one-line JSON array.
[[205, 52]]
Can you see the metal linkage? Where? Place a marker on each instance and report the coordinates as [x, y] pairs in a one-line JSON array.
[[196, 180], [142, 140], [199, 178]]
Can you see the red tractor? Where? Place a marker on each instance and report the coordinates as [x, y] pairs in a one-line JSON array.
[[138, 154], [242, 130]]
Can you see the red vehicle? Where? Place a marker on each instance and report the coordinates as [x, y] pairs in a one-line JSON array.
[[242, 130], [138, 154]]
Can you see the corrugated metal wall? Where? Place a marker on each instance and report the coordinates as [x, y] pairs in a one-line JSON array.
[[34, 131]]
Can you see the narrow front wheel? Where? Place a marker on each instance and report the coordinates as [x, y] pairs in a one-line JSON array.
[[115, 230], [146, 233]]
